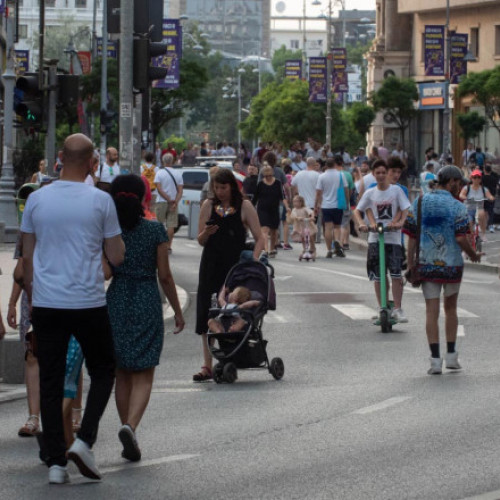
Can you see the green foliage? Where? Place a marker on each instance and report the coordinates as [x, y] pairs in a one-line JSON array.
[[57, 38], [485, 89], [471, 124], [360, 117], [355, 52], [278, 62], [282, 112], [395, 98], [26, 158], [179, 143]]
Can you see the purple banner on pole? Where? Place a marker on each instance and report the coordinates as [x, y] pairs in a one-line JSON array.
[[458, 64], [22, 62], [112, 48], [317, 79], [339, 71], [434, 50], [172, 36], [293, 69], [2, 6]]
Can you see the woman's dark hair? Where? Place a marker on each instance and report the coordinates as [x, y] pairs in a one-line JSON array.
[[225, 176], [378, 163], [270, 157], [127, 192]]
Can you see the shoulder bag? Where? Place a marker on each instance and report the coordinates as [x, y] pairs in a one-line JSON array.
[[412, 275]]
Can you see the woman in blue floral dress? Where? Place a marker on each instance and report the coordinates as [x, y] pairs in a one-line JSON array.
[[135, 307]]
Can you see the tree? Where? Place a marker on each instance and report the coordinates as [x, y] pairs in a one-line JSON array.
[[360, 117], [26, 158], [396, 99], [484, 87], [472, 124], [282, 112]]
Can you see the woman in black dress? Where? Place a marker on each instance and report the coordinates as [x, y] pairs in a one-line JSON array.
[[267, 198], [223, 225]]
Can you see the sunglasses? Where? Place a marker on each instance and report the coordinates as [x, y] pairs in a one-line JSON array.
[[475, 177]]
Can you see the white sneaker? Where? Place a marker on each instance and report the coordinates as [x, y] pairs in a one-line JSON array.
[[399, 316], [451, 360], [492, 229], [58, 474], [84, 459], [436, 366]]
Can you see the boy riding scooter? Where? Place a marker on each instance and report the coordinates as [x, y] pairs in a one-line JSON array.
[[386, 204]]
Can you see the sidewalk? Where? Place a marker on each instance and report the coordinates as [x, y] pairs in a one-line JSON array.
[[11, 392]]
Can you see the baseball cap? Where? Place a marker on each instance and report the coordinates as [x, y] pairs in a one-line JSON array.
[[448, 173], [476, 173]]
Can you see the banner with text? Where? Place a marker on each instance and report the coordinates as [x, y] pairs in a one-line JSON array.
[[458, 64], [172, 36], [293, 69], [317, 79], [339, 71], [434, 50], [85, 58], [22, 62], [112, 48]]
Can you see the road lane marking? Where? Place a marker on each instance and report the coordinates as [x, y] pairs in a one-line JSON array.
[[282, 278], [175, 389], [355, 311], [461, 331], [382, 405], [462, 313], [272, 317], [492, 495], [147, 463]]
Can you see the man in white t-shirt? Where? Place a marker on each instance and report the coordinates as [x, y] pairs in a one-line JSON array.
[[388, 204], [65, 285], [110, 168], [332, 207], [169, 187]]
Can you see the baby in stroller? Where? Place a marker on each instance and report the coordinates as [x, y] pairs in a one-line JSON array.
[[230, 320]]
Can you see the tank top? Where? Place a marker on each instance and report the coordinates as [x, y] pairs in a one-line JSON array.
[[231, 235]]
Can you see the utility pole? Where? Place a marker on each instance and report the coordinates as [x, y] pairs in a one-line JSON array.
[[446, 110], [93, 59], [329, 76], [8, 216], [50, 138], [126, 78], [104, 74]]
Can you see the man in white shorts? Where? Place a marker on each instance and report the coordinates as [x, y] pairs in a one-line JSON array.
[[443, 237]]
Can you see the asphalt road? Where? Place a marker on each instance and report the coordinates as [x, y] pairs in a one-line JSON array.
[[355, 417]]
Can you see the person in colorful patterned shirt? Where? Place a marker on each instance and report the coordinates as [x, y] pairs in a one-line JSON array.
[[443, 230]]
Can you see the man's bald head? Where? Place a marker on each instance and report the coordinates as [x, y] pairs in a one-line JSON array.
[[111, 156], [77, 151]]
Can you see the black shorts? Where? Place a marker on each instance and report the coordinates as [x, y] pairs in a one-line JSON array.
[[332, 215], [393, 261]]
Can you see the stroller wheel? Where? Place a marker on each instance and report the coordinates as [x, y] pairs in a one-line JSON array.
[[277, 368], [230, 373], [217, 373]]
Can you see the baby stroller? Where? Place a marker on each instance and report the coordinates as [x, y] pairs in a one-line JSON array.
[[245, 349]]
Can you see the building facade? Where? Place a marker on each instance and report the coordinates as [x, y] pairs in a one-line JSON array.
[[398, 50]]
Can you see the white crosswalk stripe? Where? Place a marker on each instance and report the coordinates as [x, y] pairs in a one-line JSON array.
[[355, 311]]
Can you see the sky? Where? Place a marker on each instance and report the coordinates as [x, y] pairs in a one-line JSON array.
[[295, 7]]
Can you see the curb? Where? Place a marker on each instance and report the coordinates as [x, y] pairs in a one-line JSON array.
[[14, 392], [486, 267]]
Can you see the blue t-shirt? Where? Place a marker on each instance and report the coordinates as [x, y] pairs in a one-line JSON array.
[[443, 218]]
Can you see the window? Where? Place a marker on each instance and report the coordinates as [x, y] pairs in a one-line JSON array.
[[81, 4], [50, 3], [294, 44], [23, 31], [474, 42], [497, 40]]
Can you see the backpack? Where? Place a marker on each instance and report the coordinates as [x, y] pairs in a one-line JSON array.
[[468, 190], [149, 173]]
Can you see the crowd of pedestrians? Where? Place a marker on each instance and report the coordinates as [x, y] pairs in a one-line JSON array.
[[66, 317]]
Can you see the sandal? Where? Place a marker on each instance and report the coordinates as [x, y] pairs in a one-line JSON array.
[[76, 420], [31, 427], [204, 375]]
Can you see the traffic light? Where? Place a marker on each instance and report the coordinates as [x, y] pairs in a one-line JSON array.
[[144, 72], [68, 90], [108, 119], [28, 100]]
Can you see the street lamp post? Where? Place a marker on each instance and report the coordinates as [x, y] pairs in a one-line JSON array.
[[235, 93], [446, 110]]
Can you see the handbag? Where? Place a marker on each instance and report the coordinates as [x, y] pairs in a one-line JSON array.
[[412, 275]]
